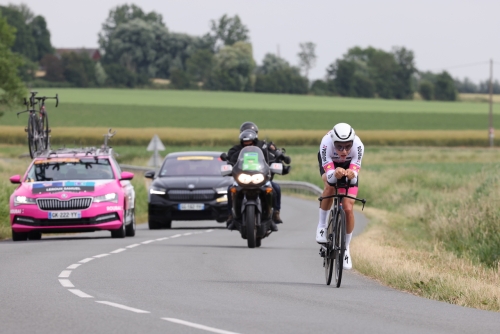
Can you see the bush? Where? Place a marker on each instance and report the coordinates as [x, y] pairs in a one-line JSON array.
[[319, 87], [444, 89], [426, 90], [179, 79]]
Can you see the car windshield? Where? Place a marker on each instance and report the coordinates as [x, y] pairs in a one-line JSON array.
[[63, 169], [192, 166]]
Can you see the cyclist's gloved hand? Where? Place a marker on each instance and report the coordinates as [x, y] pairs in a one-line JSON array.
[[350, 174]]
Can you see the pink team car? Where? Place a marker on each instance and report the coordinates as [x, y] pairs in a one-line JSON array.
[[82, 190]]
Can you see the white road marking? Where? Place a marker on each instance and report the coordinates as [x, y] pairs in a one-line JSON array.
[[66, 283], [65, 274], [101, 255], [147, 242], [209, 231], [80, 293], [74, 266], [86, 260], [119, 250], [188, 233], [192, 324], [161, 239], [132, 246], [176, 236], [123, 307]]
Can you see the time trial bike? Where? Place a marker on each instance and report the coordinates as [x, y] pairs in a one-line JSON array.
[[333, 251], [38, 124]]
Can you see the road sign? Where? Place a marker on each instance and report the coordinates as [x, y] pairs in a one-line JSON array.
[[155, 145]]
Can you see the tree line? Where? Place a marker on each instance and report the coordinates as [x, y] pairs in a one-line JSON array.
[[137, 50]]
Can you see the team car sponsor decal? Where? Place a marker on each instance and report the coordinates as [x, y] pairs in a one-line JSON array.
[[198, 157], [68, 186], [16, 211], [114, 208]]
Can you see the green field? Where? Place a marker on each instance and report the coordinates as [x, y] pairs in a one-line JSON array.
[[223, 110]]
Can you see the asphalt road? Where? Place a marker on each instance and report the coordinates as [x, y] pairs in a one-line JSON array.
[[204, 279]]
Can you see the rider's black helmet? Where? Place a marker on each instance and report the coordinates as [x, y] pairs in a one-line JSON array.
[[249, 125], [248, 135]]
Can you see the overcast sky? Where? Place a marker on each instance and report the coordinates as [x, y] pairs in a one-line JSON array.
[[442, 33]]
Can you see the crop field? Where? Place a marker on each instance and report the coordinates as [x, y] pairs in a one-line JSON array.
[[223, 110]]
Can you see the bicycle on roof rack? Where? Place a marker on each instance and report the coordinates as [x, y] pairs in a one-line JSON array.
[[333, 251], [38, 125]]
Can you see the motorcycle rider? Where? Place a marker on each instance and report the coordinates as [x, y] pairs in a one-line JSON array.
[[249, 136], [339, 155]]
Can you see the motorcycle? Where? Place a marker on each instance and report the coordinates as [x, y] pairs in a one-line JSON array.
[[252, 194]]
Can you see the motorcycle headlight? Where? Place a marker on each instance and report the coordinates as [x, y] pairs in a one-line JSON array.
[[112, 197], [21, 200], [244, 178], [157, 191], [257, 178]]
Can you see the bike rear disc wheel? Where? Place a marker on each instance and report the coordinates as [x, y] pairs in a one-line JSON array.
[[250, 226], [328, 262], [340, 245]]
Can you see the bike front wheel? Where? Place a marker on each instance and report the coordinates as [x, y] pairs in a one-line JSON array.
[[339, 245], [329, 253], [33, 136]]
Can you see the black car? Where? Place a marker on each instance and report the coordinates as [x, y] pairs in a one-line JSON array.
[[188, 186]]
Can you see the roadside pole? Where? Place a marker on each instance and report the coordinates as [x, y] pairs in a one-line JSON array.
[[155, 145], [491, 130]]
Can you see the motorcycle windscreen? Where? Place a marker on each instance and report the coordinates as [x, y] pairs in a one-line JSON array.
[[251, 159]]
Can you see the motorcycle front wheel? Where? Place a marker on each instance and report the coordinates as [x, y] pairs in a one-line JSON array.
[[250, 222]]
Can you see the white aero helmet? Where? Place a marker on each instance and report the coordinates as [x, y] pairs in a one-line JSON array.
[[342, 132]]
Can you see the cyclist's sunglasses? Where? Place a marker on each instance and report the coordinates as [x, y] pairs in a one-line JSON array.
[[340, 148]]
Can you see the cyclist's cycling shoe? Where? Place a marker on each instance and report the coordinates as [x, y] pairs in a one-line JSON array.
[[274, 228], [321, 235], [347, 260]]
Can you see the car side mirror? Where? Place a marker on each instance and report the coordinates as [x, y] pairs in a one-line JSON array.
[[226, 170], [223, 157], [126, 176], [16, 179], [150, 174], [277, 168]]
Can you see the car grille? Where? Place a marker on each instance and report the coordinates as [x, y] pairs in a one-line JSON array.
[[193, 195], [71, 204]]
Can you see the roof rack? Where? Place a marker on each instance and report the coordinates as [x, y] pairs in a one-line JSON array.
[[91, 151]]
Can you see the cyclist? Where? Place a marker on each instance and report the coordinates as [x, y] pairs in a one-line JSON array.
[[339, 155], [249, 136]]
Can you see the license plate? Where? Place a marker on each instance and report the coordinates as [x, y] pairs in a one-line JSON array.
[[191, 206], [65, 215]]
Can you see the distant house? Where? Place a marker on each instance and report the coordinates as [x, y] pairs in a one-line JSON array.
[[94, 54]]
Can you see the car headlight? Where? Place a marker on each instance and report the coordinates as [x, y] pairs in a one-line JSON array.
[[157, 191], [221, 191], [255, 179], [21, 200], [112, 197]]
